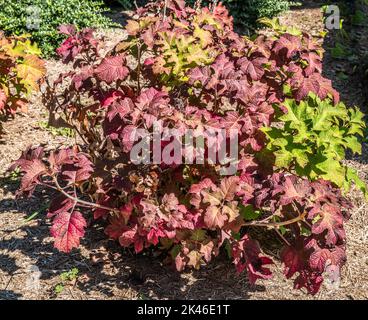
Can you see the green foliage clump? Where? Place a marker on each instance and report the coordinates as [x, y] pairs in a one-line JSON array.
[[313, 139], [41, 18]]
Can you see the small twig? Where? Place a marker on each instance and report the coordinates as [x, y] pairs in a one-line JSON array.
[[80, 134], [360, 208], [71, 292], [282, 237], [7, 284], [139, 68], [89, 204], [307, 223], [275, 224]]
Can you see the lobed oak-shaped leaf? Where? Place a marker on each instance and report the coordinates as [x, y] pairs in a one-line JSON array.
[[68, 229], [112, 69]]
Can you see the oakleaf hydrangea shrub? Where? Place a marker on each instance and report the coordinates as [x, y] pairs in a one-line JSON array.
[[21, 71], [41, 18], [189, 70]]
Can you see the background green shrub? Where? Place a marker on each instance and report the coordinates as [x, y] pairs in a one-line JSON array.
[[14, 16]]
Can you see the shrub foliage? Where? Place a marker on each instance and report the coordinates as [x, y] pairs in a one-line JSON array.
[[41, 18], [190, 70], [247, 12], [21, 71]]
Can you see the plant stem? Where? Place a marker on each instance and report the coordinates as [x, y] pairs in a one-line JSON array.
[[139, 68], [275, 224], [86, 203], [282, 237]]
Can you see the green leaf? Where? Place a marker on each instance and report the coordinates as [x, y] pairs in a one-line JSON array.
[[352, 177], [334, 171], [353, 144], [313, 137], [248, 213], [175, 251]]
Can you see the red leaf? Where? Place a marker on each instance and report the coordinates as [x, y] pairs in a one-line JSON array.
[[128, 137], [67, 229], [67, 29], [106, 201], [82, 78], [314, 63], [69, 49], [31, 165], [304, 86], [316, 84], [112, 69], [120, 107], [201, 75], [60, 158], [253, 68], [130, 236], [330, 221], [214, 218], [293, 189], [152, 100], [154, 235], [310, 280], [231, 121], [110, 97], [321, 258], [293, 259], [204, 184], [116, 227], [229, 187], [287, 45], [58, 205], [79, 171], [221, 76], [246, 255]]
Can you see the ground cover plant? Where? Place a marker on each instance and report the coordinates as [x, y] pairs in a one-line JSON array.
[[188, 69], [21, 71]]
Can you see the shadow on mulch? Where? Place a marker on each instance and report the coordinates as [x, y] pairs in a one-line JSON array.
[[7, 264], [118, 15], [9, 295]]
